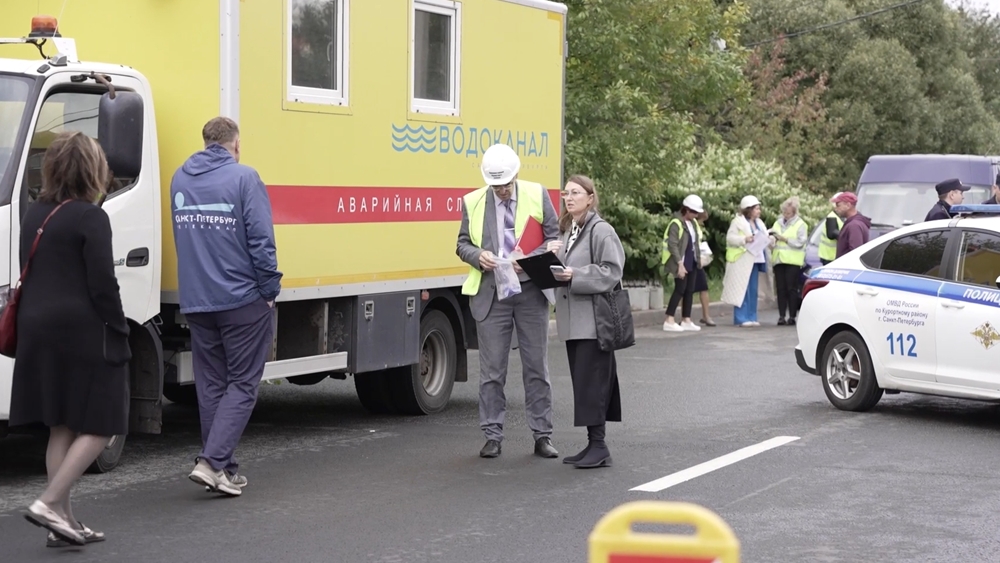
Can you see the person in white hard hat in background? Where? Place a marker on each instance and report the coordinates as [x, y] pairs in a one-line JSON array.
[[682, 259], [493, 219], [739, 286], [828, 236]]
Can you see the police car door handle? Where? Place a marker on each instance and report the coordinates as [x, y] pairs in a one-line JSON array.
[[867, 291], [952, 304]]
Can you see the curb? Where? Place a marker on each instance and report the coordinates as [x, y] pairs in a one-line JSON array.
[[654, 317]]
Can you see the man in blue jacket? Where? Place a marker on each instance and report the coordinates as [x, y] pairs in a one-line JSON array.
[[228, 280]]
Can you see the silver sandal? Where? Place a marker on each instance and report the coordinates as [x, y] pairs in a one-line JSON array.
[[42, 516], [89, 536]]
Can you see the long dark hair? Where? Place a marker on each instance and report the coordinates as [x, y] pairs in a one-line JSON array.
[[566, 220], [74, 167]]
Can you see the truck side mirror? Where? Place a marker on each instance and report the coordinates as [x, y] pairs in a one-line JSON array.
[[119, 132]]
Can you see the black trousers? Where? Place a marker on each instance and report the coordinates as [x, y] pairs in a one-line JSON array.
[[786, 281], [683, 290]]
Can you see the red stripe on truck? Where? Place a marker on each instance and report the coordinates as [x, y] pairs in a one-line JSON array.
[[317, 205]]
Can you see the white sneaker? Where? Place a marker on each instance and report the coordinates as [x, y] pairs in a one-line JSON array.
[[748, 323], [688, 325], [671, 327], [215, 481]]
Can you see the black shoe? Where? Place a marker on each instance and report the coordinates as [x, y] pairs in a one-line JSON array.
[[791, 322], [491, 449], [781, 321], [577, 457], [598, 456], [543, 448]]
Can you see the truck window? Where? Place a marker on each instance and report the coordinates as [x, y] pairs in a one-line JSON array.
[[899, 204], [64, 111], [318, 51], [434, 60], [14, 92]]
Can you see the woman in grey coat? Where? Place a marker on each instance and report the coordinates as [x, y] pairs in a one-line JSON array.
[[593, 258]]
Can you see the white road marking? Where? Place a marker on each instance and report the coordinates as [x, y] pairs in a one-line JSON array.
[[709, 466]]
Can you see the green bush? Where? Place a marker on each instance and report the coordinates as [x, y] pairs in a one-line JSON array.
[[722, 176]]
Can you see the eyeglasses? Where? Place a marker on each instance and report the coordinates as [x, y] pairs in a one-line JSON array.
[[503, 187], [573, 193]]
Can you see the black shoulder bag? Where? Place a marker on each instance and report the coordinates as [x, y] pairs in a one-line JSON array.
[[612, 313]]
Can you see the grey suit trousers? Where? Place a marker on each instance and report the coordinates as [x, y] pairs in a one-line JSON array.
[[529, 312]]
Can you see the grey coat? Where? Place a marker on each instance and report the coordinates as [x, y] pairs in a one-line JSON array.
[[574, 303], [482, 301], [677, 241]]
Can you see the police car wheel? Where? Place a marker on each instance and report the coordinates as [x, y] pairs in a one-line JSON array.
[[848, 375]]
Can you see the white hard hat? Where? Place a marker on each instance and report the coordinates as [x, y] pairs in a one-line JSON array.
[[500, 165], [694, 203], [748, 202]]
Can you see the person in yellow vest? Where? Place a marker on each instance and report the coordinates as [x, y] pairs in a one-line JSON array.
[[746, 257], [682, 260], [829, 234], [790, 234], [493, 219]]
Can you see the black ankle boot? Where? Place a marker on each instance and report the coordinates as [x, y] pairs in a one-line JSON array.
[[577, 457], [597, 456]]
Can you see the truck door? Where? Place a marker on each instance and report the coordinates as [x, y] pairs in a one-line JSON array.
[[69, 102], [968, 327]]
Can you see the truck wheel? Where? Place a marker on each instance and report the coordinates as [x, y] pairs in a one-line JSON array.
[[848, 375], [181, 394], [425, 388], [373, 391], [110, 457]]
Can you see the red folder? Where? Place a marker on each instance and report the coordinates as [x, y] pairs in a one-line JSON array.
[[531, 237]]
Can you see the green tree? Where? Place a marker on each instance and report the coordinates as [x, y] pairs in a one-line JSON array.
[[637, 73]]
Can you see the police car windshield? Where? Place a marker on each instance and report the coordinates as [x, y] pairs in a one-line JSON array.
[[900, 204], [14, 92]]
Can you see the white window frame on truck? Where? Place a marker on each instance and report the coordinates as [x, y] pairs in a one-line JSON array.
[[324, 96], [454, 11]]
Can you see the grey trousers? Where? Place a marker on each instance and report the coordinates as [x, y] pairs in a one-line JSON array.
[[529, 312], [229, 350]]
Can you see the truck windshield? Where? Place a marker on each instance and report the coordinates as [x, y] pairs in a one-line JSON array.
[[900, 204], [14, 92]]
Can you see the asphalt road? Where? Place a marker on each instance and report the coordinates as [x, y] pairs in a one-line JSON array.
[[913, 480]]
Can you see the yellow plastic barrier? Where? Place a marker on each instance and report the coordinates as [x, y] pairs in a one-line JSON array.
[[614, 541]]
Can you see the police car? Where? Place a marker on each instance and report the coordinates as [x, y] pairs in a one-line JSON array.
[[915, 310]]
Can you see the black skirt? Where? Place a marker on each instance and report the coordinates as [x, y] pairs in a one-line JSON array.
[[700, 281], [596, 396]]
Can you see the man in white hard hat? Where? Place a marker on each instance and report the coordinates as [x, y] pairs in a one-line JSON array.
[[493, 219]]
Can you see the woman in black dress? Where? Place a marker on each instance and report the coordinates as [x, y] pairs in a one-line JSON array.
[[69, 369]]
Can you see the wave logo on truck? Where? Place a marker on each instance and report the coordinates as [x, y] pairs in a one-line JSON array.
[[414, 139], [469, 141], [203, 216]]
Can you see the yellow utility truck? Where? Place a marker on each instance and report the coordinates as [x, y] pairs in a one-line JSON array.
[[366, 119]]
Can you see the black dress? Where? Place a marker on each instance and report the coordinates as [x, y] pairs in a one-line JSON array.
[[69, 316]]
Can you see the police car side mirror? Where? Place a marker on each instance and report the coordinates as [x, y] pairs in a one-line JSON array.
[[997, 282]]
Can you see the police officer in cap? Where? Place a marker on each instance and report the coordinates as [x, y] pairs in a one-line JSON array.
[[950, 192]]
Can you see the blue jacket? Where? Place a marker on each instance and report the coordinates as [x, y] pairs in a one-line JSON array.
[[223, 234]]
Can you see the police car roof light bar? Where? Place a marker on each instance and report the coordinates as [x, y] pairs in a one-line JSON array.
[[976, 209]]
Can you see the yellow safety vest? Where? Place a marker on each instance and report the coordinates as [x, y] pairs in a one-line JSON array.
[[733, 253], [529, 204], [785, 254], [665, 254], [828, 246]]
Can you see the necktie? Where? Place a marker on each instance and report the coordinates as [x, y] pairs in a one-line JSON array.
[[508, 229]]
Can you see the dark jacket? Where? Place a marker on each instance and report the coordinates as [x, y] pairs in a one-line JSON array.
[[677, 238], [941, 210], [853, 234], [223, 234]]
